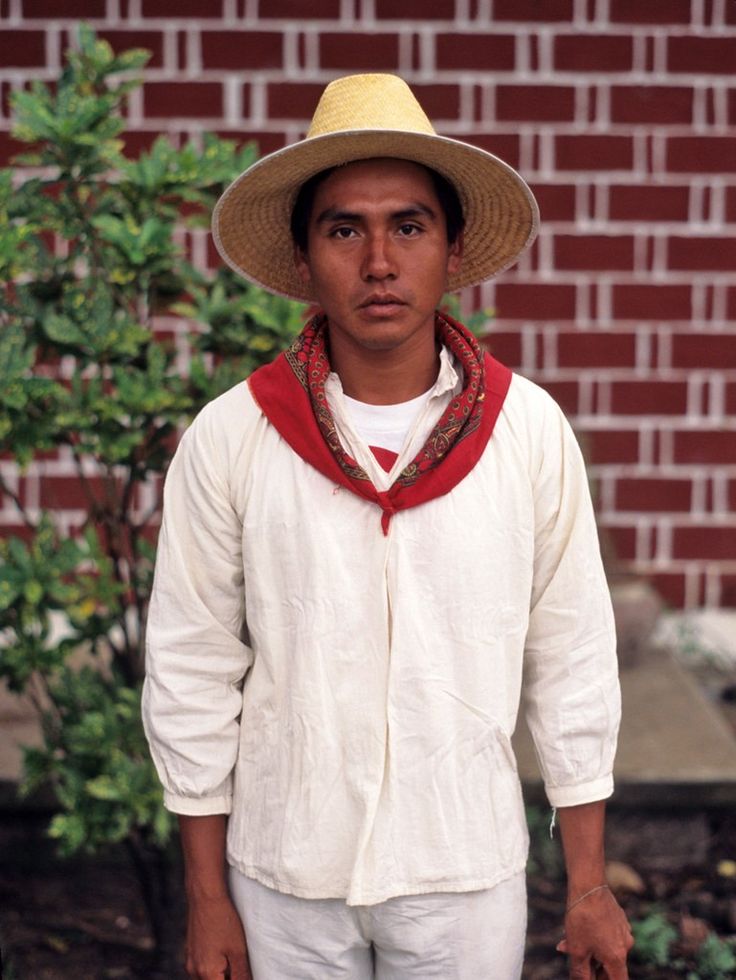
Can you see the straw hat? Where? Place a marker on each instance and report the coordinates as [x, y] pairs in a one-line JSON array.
[[359, 117]]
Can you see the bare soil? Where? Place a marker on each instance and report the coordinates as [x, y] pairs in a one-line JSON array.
[[84, 919]]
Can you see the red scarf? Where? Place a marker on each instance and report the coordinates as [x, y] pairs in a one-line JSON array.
[[291, 394]]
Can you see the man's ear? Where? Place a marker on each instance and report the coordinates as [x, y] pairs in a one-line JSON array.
[[455, 255], [301, 263]]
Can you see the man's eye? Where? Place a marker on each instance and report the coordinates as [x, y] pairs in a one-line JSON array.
[[343, 232], [408, 229]]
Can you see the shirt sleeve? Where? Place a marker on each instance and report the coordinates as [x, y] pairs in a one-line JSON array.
[[197, 654], [570, 673]]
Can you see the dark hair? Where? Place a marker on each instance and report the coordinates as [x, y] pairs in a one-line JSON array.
[[445, 191]]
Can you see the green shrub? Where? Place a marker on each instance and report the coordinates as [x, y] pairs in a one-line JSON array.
[[90, 257], [653, 939]]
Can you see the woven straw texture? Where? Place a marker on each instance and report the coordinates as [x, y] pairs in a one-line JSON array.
[[360, 117]]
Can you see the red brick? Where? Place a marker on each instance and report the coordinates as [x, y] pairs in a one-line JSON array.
[[22, 49], [5, 91], [67, 492], [657, 104], [152, 41], [292, 100], [707, 55], [594, 348], [181, 8], [704, 446], [730, 13], [505, 345], [732, 495], [648, 397], [533, 10], [556, 201], [617, 543], [297, 10], [593, 52], [730, 204], [671, 586], [535, 301], [192, 100], [504, 145], [585, 152], [67, 9], [565, 393], [602, 446], [651, 302], [266, 142], [650, 494], [701, 154], [650, 203], [731, 303], [484, 52], [594, 252], [13, 530], [359, 51], [9, 147], [732, 106], [537, 103], [728, 587], [242, 49], [706, 543], [415, 10], [439, 101], [704, 350], [138, 141], [649, 12], [698, 252]]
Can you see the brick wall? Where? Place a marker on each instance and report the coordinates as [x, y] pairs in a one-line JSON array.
[[620, 113]]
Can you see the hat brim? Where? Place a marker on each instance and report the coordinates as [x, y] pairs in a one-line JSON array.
[[251, 222]]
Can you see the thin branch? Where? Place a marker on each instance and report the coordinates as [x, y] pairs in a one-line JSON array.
[[15, 497]]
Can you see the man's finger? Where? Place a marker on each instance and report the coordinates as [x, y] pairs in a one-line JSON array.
[[615, 971], [581, 968], [238, 968]]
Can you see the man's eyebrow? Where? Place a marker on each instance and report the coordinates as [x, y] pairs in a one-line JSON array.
[[335, 214], [411, 211]]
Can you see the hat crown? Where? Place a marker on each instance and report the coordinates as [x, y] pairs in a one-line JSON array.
[[368, 102]]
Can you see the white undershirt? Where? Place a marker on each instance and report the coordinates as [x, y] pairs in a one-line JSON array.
[[385, 426]]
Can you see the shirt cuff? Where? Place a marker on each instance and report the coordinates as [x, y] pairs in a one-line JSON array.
[[202, 806], [591, 792]]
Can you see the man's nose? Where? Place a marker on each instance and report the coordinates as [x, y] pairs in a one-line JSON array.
[[379, 260]]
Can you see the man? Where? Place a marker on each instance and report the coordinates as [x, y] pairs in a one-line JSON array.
[[365, 547]]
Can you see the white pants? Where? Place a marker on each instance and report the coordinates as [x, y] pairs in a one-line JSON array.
[[453, 936]]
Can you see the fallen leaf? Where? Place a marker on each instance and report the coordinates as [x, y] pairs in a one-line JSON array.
[[622, 878], [693, 933], [726, 868]]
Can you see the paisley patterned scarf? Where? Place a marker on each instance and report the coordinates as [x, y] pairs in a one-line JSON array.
[[291, 393]]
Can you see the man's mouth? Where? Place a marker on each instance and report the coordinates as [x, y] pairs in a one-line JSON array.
[[385, 302]]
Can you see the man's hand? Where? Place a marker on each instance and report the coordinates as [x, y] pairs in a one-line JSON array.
[[597, 935], [215, 938], [215, 941], [597, 938]]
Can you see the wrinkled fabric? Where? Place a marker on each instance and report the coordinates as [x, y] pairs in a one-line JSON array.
[[468, 936], [349, 697]]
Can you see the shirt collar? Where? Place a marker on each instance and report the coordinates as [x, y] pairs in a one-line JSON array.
[[449, 377]]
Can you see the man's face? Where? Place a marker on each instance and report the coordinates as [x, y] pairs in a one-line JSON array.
[[378, 256]]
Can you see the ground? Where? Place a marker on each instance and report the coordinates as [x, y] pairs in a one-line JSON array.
[[84, 919]]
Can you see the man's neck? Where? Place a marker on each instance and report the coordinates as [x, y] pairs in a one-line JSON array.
[[386, 377]]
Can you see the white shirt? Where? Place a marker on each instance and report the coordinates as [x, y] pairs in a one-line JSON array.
[[367, 752]]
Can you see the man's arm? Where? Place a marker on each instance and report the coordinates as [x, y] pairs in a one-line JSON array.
[[596, 930], [215, 938]]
